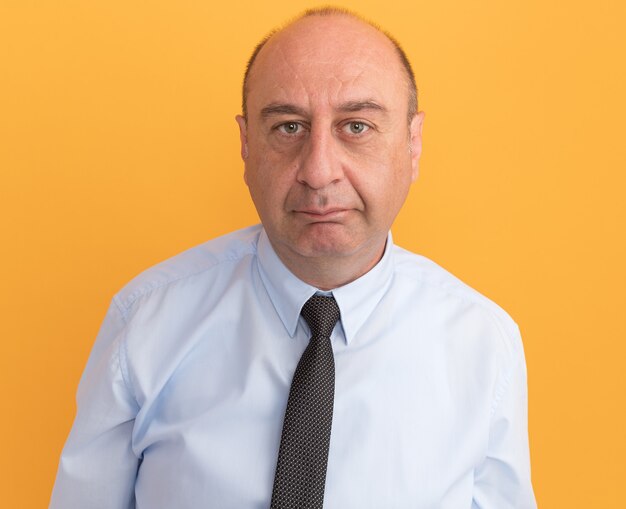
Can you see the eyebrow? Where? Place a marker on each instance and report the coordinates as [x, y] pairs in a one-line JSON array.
[[282, 109], [353, 106], [347, 107]]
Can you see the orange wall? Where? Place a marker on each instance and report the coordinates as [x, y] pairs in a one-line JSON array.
[[118, 148]]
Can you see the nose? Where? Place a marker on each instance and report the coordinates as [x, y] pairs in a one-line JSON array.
[[320, 163]]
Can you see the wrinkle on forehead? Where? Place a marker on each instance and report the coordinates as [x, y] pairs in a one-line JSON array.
[[350, 63], [326, 79], [347, 84]]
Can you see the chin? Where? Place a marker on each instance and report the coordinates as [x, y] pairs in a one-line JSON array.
[[327, 246]]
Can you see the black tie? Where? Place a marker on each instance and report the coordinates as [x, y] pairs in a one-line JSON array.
[[303, 455]]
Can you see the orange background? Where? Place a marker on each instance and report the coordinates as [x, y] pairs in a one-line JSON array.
[[118, 148]]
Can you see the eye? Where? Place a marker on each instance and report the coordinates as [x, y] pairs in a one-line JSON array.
[[290, 127], [356, 127]]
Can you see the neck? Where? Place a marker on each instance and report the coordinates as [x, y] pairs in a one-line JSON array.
[[330, 272]]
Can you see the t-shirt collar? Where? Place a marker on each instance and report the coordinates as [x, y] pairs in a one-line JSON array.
[[356, 300]]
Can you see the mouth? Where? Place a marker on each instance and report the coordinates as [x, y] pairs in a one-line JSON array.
[[320, 215]]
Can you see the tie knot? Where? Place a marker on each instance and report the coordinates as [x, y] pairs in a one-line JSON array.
[[321, 314]]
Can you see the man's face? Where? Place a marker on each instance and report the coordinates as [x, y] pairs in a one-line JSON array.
[[329, 152]]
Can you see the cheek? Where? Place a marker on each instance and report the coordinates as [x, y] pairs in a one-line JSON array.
[[382, 179], [269, 183], [274, 159]]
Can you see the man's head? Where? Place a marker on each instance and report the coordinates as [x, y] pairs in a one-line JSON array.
[[331, 11], [328, 151]]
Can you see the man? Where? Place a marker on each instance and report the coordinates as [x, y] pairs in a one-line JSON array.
[[416, 398]]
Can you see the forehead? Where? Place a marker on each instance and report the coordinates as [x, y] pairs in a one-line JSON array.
[[322, 61]]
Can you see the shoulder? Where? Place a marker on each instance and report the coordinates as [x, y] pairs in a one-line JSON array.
[[454, 296], [210, 259]]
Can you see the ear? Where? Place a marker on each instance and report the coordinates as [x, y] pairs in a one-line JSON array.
[[243, 135], [415, 142]]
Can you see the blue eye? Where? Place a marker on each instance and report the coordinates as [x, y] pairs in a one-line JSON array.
[[289, 127], [357, 127]]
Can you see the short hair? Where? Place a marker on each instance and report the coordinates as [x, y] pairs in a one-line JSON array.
[[330, 11]]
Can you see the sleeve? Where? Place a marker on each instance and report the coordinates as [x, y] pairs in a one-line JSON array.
[[98, 467], [502, 481]]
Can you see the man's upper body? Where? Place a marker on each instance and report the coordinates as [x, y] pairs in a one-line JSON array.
[[182, 401], [183, 397]]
